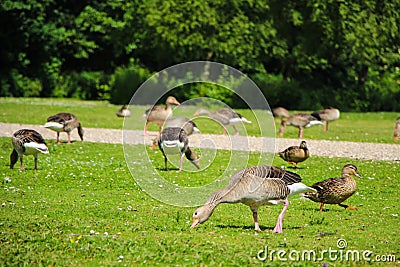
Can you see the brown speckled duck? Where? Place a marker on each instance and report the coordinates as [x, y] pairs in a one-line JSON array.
[[295, 154], [173, 140], [255, 186], [64, 122], [225, 116], [336, 190], [396, 132], [27, 142], [159, 114], [299, 120], [326, 116]]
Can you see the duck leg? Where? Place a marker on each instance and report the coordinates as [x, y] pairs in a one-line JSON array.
[[321, 206], [255, 217], [347, 207], [278, 227]]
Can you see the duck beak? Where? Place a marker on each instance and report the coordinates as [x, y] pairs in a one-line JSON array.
[[195, 223], [358, 175]]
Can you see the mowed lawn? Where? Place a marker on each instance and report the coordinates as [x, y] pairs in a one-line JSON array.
[[83, 207]]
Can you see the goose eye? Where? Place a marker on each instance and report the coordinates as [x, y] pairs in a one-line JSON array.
[[195, 214]]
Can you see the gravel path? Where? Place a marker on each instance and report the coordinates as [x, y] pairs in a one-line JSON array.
[[371, 151]]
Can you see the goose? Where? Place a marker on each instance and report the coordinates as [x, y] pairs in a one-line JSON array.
[[299, 120], [255, 186], [27, 142], [64, 122], [159, 114], [335, 190], [124, 112], [173, 140], [326, 116], [295, 154], [281, 113], [188, 125], [397, 130], [225, 116]]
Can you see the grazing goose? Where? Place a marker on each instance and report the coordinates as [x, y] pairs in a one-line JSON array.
[[225, 116], [326, 116], [295, 154], [64, 122], [124, 112], [335, 190], [397, 130], [281, 113], [27, 142], [299, 120], [159, 114], [255, 187], [188, 125], [173, 140]]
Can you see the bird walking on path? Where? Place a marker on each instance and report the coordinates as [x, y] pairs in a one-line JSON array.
[[300, 121], [255, 186], [326, 116]]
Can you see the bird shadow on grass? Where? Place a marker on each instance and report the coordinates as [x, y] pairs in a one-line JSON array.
[[248, 227], [164, 170]]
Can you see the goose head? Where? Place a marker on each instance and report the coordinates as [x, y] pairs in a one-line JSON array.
[[201, 215]]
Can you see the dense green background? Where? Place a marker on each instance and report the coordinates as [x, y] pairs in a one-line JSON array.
[[302, 54]]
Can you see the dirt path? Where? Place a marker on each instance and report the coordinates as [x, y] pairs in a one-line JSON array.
[[372, 151]]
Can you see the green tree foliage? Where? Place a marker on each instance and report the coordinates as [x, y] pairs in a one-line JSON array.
[[302, 54]]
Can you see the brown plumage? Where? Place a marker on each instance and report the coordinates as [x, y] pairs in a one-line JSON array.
[[27, 142], [327, 115], [173, 140], [123, 112], [295, 154], [300, 121], [396, 132], [186, 124], [281, 113], [225, 116], [64, 122], [255, 186], [335, 190], [159, 114]]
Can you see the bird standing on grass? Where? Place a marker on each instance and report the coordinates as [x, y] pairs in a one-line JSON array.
[[123, 112], [159, 114], [225, 116], [255, 187], [173, 140], [335, 190], [295, 154], [326, 116], [64, 122], [27, 142]]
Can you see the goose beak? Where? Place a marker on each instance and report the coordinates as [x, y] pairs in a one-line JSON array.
[[195, 223]]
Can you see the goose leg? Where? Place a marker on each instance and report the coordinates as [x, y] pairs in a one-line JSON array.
[[36, 160], [69, 138], [321, 206], [255, 217], [300, 132], [22, 168], [326, 126], [58, 138], [236, 130], [278, 227], [180, 163], [223, 130], [165, 163]]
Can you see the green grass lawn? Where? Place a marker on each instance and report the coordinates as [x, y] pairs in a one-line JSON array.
[[84, 208], [359, 127]]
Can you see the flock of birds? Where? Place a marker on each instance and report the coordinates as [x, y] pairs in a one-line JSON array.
[[255, 186]]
